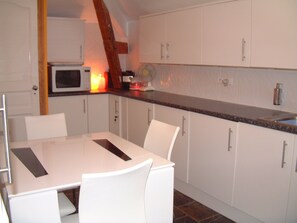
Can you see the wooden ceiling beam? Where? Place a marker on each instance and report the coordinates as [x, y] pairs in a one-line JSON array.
[[112, 48]]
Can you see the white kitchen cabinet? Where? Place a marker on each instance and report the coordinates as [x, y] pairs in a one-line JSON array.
[[226, 31], [212, 155], [139, 116], [114, 114], [65, 38], [83, 113], [274, 34], [173, 37], [292, 205], [152, 39], [263, 169], [75, 109], [180, 150], [98, 113]]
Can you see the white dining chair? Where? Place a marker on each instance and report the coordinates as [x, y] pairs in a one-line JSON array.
[[113, 197], [45, 126], [160, 138], [39, 207], [48, 126]]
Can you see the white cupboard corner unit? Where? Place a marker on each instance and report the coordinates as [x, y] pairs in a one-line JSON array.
[[65, 38], [263, 170], [83, 113], [212, 155]]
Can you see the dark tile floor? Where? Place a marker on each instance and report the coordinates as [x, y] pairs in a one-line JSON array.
[[186, 210]]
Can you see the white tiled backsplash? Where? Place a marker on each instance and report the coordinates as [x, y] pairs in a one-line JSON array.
[[250, 86]]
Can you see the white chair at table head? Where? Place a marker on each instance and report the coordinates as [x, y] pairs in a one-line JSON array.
[[113, 197], [49, 126], [160, 138]]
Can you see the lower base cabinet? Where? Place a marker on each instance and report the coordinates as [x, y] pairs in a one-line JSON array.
[[180, 151], [212, 155], [83, 113], [139, 116], [263, 172]]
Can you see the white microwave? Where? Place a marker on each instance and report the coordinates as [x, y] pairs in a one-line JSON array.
[[69, 78]]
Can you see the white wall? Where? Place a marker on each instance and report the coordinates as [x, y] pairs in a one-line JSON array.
[[250, 86]]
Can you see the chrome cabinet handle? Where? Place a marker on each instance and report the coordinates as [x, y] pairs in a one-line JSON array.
[[6, 140], [284, 154], [84, 105], [148, 116], [183, 126], [229, 140], [167, 50], [162, 49], [116, 107], [80, 52], [243, 42], [296, 166]]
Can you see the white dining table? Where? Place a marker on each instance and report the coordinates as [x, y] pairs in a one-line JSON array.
[[60, 162]]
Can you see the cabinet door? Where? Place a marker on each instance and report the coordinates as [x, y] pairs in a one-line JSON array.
[[75, 109], [65, 40], [226, 29], [180, 150], [274, 33], [262, 176], [98, 116], [114, 114], [212, 155], [292, 205], [152, 39], [139, 116], [183, 36]]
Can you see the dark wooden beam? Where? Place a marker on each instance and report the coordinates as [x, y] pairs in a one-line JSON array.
[[122, 47], [112, 48]]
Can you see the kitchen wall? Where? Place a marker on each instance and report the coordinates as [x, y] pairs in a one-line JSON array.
[[250, 86]]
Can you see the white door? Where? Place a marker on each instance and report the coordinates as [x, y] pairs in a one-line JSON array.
[[19, 62]]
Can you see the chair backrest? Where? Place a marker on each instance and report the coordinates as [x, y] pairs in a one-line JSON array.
[[160, 138], [45, 126], [113, 197], [35, 208]]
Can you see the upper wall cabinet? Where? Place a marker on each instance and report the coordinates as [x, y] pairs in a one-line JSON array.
[[171, 38], [226, 29], [65, 38], [274, 34]]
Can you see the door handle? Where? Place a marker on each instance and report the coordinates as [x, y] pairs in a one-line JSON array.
[[34, 88]]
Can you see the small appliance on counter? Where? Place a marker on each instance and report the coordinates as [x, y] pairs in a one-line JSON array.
[[69, 78], [144, 78], [126, 78]]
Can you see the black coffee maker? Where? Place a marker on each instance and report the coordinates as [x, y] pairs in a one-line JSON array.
[[126, 79]]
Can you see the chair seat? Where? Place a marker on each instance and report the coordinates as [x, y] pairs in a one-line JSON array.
[[65, 205], [70, 219]]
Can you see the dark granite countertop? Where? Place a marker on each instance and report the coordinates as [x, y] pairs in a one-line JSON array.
[[224, 110]]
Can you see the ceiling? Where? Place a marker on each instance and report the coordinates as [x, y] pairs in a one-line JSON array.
[[130, 9]]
